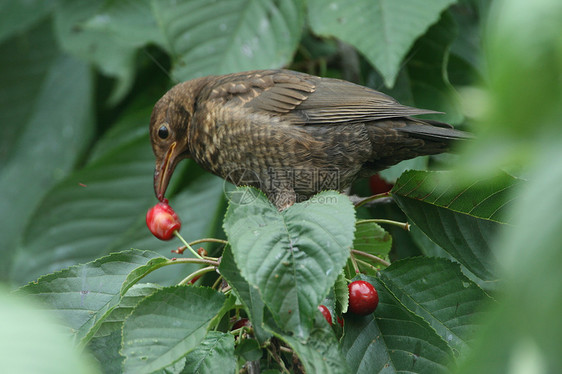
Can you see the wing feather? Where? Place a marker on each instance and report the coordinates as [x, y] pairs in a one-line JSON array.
[[308, 100], [304, 99]]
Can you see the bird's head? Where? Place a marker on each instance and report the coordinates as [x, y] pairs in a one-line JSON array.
[[169, 131]]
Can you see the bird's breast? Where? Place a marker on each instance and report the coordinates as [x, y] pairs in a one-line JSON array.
[[237, 145]]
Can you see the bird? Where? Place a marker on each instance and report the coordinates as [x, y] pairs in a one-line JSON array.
[[287, 133]]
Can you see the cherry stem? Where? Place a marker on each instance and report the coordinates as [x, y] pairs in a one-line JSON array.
[[191, 260], [355, 267], [285, 349], [208, 240], [240, 330], [366, 264], [197, 273], [372, 257], [402, 225], [217, 282], [372, 198], [278, 359], [176, 233]]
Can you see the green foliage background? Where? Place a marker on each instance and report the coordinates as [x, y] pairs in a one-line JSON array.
[[78, 80]]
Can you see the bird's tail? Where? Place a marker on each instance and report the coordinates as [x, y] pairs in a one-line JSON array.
[[434, 131], [402, 139]]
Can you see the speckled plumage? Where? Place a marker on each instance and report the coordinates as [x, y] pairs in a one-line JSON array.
[[288, 133]]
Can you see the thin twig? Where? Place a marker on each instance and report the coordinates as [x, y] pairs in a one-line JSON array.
[[190, 260], [365, 263], [402, 225], [279, 360], [195, 274], [177, 234], [372, 257], [286, 349], [354, 262], [208, 240], [370, 199], [216, 282]]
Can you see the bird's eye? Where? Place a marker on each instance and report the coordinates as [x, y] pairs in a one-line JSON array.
[[163, 131]]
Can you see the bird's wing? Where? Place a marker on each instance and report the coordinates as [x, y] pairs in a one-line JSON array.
[[336, 101], [305, 99], [277, 91]]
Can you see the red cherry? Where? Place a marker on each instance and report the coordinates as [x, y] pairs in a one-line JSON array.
[[241, 323], [326, 313], [363, 298], [162, 221], [340, 321], [379, 185]]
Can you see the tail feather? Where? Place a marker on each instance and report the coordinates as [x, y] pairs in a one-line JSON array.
[[428, 130]]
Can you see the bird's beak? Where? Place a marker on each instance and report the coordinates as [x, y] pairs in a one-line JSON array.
[[164, 170]]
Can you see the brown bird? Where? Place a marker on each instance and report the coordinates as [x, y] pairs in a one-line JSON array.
[[290, 134]]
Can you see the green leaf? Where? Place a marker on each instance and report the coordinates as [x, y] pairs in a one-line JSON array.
[[430, 249], [77, 223], [248, 295], [166, 325], [131, 125], [106, 349], [372, 239], [26, 64], [41, 139], [84, 295], [523, 330], [393, 339], [341, 291], [513, 53], [249, 349], [26, 328], [226, 36], [465, 64], [394, 172], [106, 344], [463, 220], [175, 368], [427, 72], [320, 353], [130, 21], [293, 256], [518, 59], [521, 333], [114, 321], [18, 16], [111, 55], [215, 354], [436, 290], [392, 27]]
